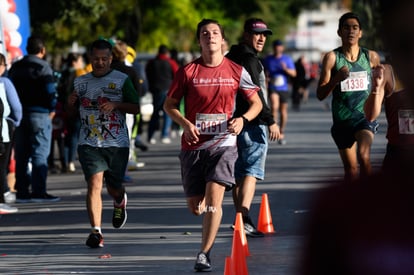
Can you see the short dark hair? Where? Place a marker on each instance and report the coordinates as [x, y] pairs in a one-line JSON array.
[[35, 44], [72, 57], [277, 42], [163, 49], [100, 44], [204, 22], [346, 16]]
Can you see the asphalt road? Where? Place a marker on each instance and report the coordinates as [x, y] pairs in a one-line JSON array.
[[161, 236]]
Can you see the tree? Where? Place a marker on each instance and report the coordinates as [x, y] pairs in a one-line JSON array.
[[146, 24], [63, 22], [173, 22], [368, 12]]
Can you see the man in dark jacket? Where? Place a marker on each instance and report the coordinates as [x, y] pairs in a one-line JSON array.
[[35, 84], [250, 165], [160, 72]]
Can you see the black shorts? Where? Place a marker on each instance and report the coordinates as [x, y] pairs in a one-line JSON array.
[[344, 136], [283, 96]]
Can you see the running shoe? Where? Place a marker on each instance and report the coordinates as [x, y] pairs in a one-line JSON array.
[[71, 167], [139, 144], [119, 216], [44, 198], [165, 140], [7, 209], [133, 165], [95, 240], [24, 198], [9, 197], [202, 263], [249, 228]]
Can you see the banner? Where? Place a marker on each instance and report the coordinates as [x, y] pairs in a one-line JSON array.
[[15, 27]]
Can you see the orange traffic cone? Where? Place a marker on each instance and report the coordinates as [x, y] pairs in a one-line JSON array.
[[265, 223], [238, 259], [239, 225], [228, 267]]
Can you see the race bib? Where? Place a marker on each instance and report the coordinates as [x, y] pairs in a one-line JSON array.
[[211, 124], [357, 81], [406, 122], [278, 80]]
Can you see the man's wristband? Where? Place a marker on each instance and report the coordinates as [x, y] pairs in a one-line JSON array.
[[245, 120]]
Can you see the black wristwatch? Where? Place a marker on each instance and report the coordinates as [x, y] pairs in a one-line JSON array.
[[245, 120]]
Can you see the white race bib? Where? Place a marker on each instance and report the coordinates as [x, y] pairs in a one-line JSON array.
[[278, 80], [357, 81], [406, 122], [211, 124]]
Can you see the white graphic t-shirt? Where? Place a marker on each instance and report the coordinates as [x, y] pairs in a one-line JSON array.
[[101, 129]]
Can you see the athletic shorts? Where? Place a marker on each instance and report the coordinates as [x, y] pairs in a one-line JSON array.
[[112, 161], [283, 96], [208, 165], [252, 149], [344, 137]]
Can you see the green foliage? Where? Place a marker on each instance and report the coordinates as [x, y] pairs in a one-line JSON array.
[[65, 21], [173, 23], [145, 24], [367, 10]]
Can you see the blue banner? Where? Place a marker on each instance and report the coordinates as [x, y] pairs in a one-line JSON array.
[[22, 11], [15, 27]]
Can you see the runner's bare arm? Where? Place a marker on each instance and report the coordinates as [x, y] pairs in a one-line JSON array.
[[373, 104], [327, 82], [381, 89], [190, 132], [374, 59]]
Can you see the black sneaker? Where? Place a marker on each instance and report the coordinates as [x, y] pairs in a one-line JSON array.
[[26, 198], [119, 216], [249, 228], [44, 198], [202, 263], [95, 240], [138, 144]]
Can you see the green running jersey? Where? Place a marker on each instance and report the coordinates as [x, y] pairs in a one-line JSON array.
[[349, 96]]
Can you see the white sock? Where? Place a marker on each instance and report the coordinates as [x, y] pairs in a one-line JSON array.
[[97, 229]]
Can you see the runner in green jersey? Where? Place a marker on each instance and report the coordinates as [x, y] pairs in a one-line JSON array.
[[346, 73]]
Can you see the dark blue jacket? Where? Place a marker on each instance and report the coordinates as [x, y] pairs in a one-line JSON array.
[[35, 84]]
